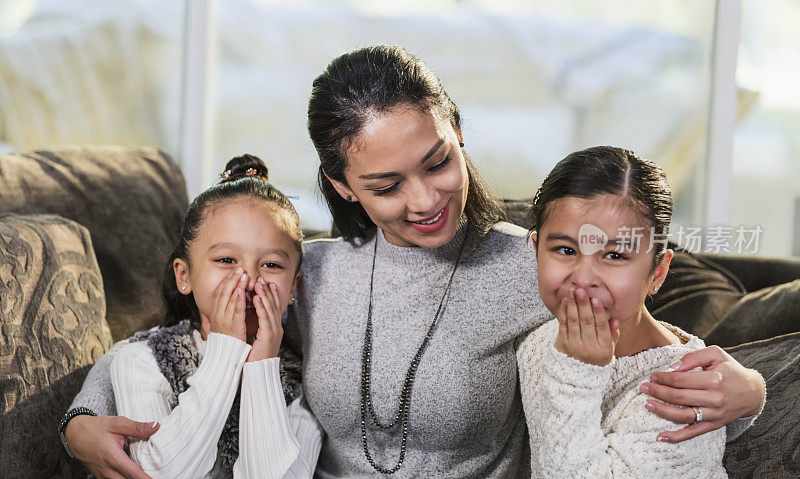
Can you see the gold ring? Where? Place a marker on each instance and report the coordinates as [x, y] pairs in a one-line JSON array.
[[698, 414]]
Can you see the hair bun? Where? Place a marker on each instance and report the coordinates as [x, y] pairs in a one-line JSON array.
[[244, 166]]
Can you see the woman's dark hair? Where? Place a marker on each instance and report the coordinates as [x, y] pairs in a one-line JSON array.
[[244, 177], [371, 80], [608, 170]]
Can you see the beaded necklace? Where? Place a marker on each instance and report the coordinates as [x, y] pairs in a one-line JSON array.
[[403, 408]]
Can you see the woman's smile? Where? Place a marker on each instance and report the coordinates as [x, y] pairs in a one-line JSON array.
[[434, 223]]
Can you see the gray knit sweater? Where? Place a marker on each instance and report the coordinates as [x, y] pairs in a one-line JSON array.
[[466, 418]]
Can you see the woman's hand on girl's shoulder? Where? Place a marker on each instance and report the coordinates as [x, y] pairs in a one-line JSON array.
[[270, 330], [724, 391], [584, 330], [228, 307]]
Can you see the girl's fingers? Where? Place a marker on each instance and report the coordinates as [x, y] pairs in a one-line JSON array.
[[228, 289], [276, 302], [236, 298], [261, 311], [240, 305], [266, 298], [573, 321], [588, 333], [563, 331], [601, 325], [216, 295], [614, 325]]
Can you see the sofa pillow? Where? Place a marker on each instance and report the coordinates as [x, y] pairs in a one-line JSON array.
[[771, 447], [132, 201], [760, 315], [52, 314]]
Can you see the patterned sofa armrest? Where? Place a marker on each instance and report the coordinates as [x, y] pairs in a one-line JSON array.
[[132, 201], [52, 328]]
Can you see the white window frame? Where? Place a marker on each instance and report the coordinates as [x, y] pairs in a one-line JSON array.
[[722, 114], [196, 134], [196, 104]]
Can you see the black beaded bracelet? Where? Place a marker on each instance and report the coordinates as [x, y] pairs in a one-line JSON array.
[[76, 411], [63, 424]]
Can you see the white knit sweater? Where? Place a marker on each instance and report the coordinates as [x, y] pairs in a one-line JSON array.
[[274, 441], [590, 421]]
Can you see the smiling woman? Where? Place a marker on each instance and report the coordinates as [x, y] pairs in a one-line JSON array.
[[421, 180]]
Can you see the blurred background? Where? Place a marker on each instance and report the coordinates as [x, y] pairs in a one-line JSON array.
[[535, 79]]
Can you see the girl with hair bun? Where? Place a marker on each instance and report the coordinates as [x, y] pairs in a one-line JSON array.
[[227, 284]]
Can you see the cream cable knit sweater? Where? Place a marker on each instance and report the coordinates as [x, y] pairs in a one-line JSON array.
[[274, 441], [590, 421]]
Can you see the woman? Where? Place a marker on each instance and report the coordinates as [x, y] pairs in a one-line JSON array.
[[408, 325]]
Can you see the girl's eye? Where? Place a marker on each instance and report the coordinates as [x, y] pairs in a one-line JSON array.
[[440, 165], [226, 260], [385, 191], [565, 250], [271, 265], [615, 255]]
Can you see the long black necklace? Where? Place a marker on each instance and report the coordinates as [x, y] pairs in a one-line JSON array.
[[405, 394]]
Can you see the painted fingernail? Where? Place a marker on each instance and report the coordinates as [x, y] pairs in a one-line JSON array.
[[272, 287], [239, 270], [662, 439], [595, 302], [653, 378], [675, 366], [153, 424], [649, 406], [581, 294], [644, 388]]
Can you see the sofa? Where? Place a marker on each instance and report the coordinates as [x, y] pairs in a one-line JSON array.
[[84, 238]]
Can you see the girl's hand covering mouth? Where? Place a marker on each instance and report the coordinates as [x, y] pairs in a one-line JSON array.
[[584, 329], [228, 307], [270, 330]]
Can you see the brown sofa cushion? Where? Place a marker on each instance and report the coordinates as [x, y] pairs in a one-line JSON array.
[[52, 314], [771, 447], [762, 314], [132, 201]]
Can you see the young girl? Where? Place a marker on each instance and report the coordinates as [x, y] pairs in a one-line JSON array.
[[234, 271], [599, 223]]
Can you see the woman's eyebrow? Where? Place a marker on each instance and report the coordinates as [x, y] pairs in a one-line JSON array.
[[378, 176], [433, 150]]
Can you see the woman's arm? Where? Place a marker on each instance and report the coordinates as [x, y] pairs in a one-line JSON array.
[[727, 392], [276, 441], [185, 444], [97, 441]]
